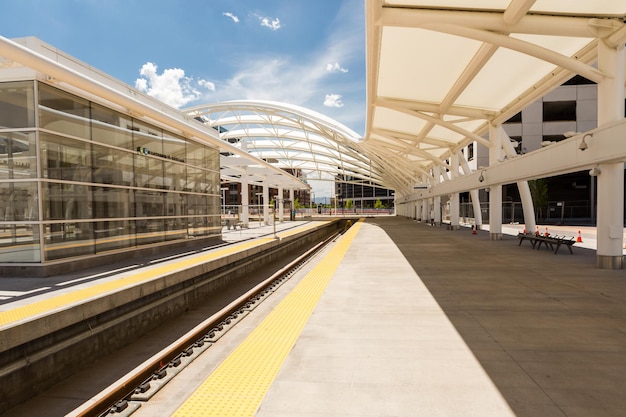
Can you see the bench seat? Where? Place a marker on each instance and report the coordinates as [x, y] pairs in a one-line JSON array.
[[551, 242]]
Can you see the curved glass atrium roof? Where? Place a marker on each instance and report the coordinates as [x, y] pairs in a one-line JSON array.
[[292, 138]]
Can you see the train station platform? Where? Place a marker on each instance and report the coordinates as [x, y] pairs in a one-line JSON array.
[[406, 319], [51, 328]]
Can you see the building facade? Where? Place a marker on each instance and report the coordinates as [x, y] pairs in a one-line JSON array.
[[361, 193], [79, 179]]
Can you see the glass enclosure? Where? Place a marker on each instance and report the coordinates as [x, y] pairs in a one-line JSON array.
[[78, 179]]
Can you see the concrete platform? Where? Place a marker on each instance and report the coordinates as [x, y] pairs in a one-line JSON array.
[[419, 320], [548, 330], [52, 329]]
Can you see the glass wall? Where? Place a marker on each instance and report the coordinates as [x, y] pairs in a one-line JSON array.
[[19, 210], [107, 181]]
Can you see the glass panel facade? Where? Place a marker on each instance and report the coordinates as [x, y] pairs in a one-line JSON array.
[[112, 235], [68, 239], [109, 202], [20, 243], [150, 231], [149, 203], [176, 178], [108, 182], [18, 201], [175, 229], [65, 159], [112, 165], [111, 128], [195, 155], [17, 105], [148, 172], [63, 112], [63, 201], [18, 155], [195, 179]]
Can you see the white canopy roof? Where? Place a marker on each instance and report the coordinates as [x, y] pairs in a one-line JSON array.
[[290, 137], [441, 71]]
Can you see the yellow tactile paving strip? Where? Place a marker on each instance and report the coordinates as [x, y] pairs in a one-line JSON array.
[[238, 385], [63, 301]]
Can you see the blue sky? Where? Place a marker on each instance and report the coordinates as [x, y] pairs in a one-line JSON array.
[[187, 52]]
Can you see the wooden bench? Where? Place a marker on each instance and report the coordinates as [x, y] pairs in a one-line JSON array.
[[552, 242]]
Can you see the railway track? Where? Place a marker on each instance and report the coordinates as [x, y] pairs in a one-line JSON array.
[[127, 394]]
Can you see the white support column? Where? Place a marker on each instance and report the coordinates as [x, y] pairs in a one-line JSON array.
[[281, 206], [478, 218], [495, 212], [495, 191], [454, 198], [527, 206], [426, 210], [524, 190], [437, 202], [245, 201], [610, 224], [417, 210], [437, 209], [266, 203], [454, 211]]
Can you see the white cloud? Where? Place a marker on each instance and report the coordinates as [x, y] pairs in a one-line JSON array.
[[171, 87], [335, 67], [333, 100], [273, 24], [232, 16], [300, 80], [207, 84]]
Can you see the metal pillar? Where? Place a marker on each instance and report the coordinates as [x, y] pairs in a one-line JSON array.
[[245, 201], [266, 203], [280, 204]]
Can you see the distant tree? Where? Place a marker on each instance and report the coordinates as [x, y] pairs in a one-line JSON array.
[[296, 204], [349, 203], [539, 193], [378, 204]]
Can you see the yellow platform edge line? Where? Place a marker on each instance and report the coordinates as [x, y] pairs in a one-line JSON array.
[[64, 300], [239, 384]]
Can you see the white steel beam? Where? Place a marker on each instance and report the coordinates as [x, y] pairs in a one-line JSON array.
[[604, 146], [579, 26]]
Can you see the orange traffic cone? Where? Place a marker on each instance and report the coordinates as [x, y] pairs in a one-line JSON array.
[[536, 230], [579, 239], [546, 234], [474, 230]]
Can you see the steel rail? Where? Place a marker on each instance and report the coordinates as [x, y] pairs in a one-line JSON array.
[[121, 389]]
